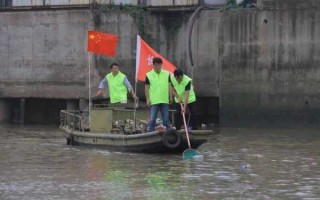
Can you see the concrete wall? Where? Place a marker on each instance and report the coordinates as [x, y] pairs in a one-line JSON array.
[[263, 64], [269, 66], [43, 53]]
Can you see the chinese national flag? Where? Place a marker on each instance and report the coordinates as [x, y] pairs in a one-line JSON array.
[[102, 43], [144, 57]]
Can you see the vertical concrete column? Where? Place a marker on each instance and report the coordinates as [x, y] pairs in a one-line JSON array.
[[5, 114], [22, 110]]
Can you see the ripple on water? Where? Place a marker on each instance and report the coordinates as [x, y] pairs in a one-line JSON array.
[[39, 165]]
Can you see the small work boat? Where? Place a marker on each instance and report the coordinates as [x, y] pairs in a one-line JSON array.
[[108, 131]]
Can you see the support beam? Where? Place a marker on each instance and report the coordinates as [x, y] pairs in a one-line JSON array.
[[22, 110], [5, 114]]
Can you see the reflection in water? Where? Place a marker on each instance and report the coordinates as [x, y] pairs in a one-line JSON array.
[[37, 164], [157, 180]]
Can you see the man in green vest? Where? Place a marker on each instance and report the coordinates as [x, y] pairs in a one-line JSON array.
[[118, 85], [183, 93], [157, 91]]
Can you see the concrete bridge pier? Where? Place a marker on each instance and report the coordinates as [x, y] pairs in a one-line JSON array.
[[18, 110], [5, 111], [22, 110]]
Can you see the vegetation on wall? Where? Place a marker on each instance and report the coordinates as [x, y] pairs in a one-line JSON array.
[[231, 4], [139, 13], [172, 22]]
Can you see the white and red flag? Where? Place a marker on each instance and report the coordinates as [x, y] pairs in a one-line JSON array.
[[144, 57]]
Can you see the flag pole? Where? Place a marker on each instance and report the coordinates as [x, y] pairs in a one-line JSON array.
[[136, 80], [135, 108], [89, 58]]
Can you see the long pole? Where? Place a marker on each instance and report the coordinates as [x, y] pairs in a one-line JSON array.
[[185, 125], [135, 107], [136, 80], [89, 58]]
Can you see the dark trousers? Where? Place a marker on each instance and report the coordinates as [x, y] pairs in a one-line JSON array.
[[179, 119]]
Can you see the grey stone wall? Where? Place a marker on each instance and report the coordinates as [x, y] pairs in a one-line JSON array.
[[269, 66], [43, 53]]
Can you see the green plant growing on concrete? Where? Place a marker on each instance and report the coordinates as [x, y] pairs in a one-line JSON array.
[[139, 13], [172, 23], [231, 4]]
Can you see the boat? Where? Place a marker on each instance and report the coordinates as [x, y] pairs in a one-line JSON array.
[[105, 131]]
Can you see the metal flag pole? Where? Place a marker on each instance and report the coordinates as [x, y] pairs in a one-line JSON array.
[[89, 106], [136, 80], [135, 108]]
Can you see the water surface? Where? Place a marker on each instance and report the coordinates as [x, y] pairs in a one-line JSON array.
[[36, 163]]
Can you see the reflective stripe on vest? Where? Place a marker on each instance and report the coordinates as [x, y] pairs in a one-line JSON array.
[[180, 88], [159, 87], [117, 89]]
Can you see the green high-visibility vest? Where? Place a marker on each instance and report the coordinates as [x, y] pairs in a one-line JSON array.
[[159, 87], [117, 89], [180, 88]]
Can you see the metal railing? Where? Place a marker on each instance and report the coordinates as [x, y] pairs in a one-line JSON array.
[[61, 4], [76, 3], [74, 119]]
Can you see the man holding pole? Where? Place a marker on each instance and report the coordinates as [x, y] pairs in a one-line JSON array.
[[184, 93]]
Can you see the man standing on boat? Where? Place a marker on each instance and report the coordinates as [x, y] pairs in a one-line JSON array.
[[157, 91], [118, 85], [183, 93]]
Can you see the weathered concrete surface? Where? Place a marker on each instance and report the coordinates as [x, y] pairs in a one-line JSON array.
[[43, 54], [263, 64], [269, 67]]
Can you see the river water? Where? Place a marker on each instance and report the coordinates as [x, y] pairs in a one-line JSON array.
[[36, 163]]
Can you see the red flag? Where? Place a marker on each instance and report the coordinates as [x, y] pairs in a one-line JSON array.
[[102, 43], [144, 57]]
